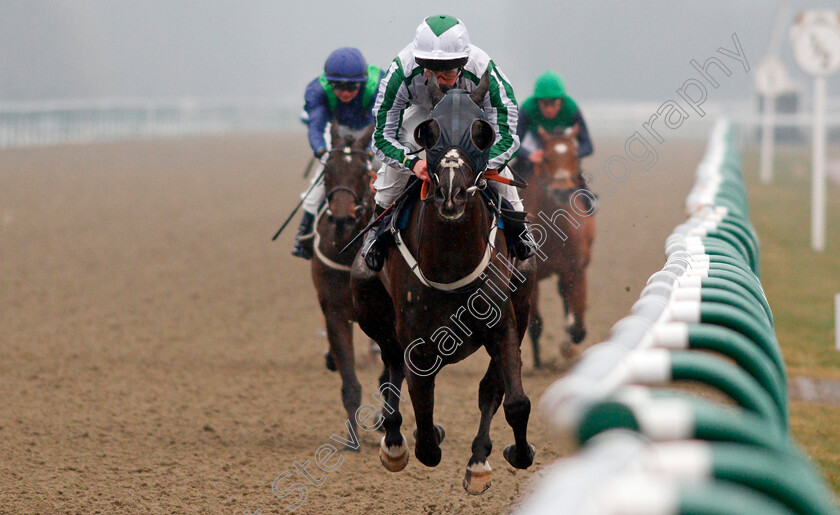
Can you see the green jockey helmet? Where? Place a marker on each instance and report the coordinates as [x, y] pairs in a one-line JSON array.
[[549, 85]]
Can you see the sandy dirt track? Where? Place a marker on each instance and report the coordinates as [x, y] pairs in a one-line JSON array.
[[159, 354]]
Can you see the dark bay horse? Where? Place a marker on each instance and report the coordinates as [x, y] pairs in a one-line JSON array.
[[346, 212], [460, 293], [564, 211]]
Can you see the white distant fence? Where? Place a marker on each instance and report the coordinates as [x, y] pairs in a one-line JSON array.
[[622, 119], [85, 121]]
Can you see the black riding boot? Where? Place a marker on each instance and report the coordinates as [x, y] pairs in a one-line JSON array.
[[372, 250], [520, 242], [304, 237]]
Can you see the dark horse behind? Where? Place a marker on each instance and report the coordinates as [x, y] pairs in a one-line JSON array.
[[556, 199], [461, 292], [346, 212]]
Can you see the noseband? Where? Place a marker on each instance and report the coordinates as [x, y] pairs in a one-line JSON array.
[[448, 161], [345, 189]]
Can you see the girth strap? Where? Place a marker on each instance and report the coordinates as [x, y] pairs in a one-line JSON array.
[[460, 283]]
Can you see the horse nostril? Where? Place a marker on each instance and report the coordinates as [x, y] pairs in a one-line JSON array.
[[460, 194], [359, 211]]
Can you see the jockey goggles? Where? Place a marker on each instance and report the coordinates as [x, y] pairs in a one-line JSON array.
[[345, 86]]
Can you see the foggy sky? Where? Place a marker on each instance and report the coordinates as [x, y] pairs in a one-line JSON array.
[[605, 50]]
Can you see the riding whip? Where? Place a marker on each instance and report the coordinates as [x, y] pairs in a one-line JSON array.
[[378, 218], [309, 167], [314, 183]]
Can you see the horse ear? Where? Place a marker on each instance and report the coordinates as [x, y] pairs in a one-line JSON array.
[[478, 93], [364, 140], [434, 89], [334, 137], [543, 134], [427, 133], [483, 135]]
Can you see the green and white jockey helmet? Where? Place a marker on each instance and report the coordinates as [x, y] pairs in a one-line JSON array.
[[441, 43]]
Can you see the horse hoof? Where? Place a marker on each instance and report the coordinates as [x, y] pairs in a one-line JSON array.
[[577, 334], [510, 456], [440, 432], [348, 448], [395, 458], [329, 361], [477, 480]]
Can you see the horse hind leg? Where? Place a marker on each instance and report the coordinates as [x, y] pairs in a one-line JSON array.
[[373, 307], [375, 315], [477, 479], [517, 405], [535, 327]]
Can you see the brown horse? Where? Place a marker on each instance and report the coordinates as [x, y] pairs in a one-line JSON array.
[[561, 213], [348, 207], [459, 293]]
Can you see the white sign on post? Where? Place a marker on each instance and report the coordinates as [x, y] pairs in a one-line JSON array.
[[770, 80], [815, 36]]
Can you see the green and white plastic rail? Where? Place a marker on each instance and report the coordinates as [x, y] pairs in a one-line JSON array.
[[704, 318], [621, 472]]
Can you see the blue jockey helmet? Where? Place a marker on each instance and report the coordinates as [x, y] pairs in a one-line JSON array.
[[346, 65]]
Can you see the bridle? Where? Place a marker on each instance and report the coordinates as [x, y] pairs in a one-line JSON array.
[[560, 174], [475, 278], [480, 183], [360, 208], [358, 200]]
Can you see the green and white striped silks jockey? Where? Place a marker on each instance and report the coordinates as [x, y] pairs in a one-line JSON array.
[[404, 85]]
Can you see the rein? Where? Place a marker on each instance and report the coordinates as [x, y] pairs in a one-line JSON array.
[[317, 243], [345, 189]]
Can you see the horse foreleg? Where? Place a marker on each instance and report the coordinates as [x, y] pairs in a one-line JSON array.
[[490, 393], [393, 449], [384, 378], [427, 436], [573, 289], [517, 405], [340, 335], [535, 326]]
